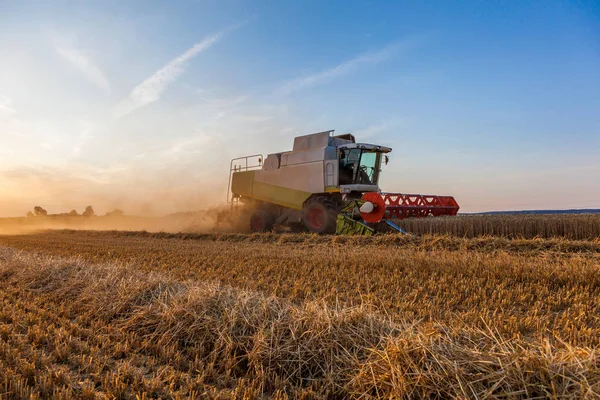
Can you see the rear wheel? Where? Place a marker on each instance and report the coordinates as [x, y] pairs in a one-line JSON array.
[[261, 221], [319, 215]]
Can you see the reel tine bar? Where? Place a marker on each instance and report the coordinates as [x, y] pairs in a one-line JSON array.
[[400, 206]]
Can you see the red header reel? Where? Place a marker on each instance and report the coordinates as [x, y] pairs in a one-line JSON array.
[[376, 206], [400, 206]]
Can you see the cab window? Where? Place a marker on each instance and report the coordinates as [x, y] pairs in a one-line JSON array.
[[359, 167]]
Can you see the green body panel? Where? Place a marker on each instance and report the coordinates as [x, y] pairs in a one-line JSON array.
[[244, 184], [349, 226], [241, 183], [279, 195]]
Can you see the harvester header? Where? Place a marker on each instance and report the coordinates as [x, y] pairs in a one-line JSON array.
[[326, 184]]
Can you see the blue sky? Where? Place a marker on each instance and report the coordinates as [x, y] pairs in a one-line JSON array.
[[142, 104]]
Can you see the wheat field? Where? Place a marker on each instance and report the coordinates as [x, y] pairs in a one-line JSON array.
[[529, 226], [177, 315]]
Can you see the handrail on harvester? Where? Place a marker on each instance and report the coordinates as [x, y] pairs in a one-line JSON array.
[[245, 167]]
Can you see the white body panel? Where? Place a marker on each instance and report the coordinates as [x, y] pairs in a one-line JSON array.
[[307, 177]]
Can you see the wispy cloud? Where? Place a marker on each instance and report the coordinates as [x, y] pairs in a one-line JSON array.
[[5, 105], [152, 88], [225, 102], [346, 67], [379, 129], [83, 138], [194, 144], [85, 65]]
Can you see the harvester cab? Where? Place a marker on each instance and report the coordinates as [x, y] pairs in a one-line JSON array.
[[326, 184]]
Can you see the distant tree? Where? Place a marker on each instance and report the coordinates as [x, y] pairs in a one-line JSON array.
[[37, 210], [29, 214], [115, 213], [73, 213], [89, 212]]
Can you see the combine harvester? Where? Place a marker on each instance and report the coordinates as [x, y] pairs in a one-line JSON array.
[[327, 184]]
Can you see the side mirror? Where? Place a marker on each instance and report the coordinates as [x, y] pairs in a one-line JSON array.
[[386, 159]]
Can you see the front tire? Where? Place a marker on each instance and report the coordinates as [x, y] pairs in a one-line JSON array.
[[319, 215]]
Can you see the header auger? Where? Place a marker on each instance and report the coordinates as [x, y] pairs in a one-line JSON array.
[[326, 184]]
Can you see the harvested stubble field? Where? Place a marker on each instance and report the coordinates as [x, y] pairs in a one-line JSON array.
[[126, 314]]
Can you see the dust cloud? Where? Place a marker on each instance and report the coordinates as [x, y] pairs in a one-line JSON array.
[[220, 219], [160, 201], [173, 199]]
